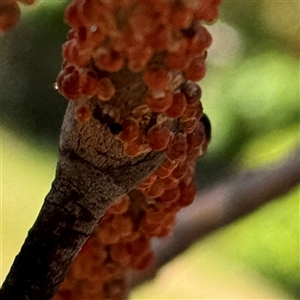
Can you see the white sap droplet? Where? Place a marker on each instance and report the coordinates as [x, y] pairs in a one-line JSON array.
[[55, 85], [157, 94], [93, 28]]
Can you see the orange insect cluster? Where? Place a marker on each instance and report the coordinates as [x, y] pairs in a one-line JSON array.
[[10, 13], [106, 37]]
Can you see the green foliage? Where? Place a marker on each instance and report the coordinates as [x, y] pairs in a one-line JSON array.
[[268, 241]]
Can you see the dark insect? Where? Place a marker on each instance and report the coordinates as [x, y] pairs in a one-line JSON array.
[[207, 126]]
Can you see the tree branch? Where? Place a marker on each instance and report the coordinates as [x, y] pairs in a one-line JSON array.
[[222, 205], [93, 171], [114, 72]]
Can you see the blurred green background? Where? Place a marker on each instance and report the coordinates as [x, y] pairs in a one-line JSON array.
[[251, 94]]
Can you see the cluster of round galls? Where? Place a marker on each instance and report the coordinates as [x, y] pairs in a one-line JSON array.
[[121, 241], [156, 39], [10, 13], [107, 36], [182, 105]]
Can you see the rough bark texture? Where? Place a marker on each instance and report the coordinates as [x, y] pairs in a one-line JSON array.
[[222, 205], [92, 173]]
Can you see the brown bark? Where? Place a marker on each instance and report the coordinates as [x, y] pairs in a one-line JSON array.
[[221, 205], [92, 173]]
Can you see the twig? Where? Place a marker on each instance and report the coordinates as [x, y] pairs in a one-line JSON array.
[[221, 205]]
